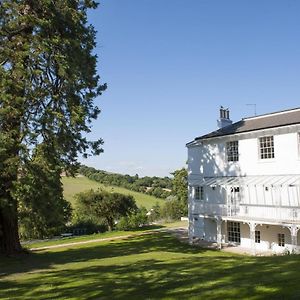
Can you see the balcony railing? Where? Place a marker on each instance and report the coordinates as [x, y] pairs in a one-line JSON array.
[[210, 209], [282, 213], [276, 213]]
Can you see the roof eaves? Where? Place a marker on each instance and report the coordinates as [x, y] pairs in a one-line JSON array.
[[204, 137], [272, 113]]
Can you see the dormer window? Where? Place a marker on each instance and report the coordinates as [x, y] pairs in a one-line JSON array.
[[232, 151], [266, 147]]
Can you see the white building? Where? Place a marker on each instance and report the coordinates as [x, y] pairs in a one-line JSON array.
[[244, 182]]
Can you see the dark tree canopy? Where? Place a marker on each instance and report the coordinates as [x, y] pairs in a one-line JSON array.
[[42, 209], [48, 83], [105, 206], [180, 185]]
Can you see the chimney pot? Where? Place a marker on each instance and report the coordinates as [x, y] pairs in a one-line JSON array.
[[224, 118], [221, 112], [227, 113]]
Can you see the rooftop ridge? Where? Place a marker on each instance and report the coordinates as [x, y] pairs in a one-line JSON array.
[[272, 114], [278, 119]]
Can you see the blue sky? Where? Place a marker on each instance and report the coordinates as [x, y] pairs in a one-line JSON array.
[[170, 64]]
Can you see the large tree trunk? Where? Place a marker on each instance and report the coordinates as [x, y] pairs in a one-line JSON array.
[[9, 232], [10, 166], [11, 130], [9, 235], [11, 124]]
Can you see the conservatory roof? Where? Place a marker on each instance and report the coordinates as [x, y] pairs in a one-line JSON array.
[[259, 180]]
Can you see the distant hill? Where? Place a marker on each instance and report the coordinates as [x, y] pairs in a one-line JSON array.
[[160, 187], [76, 185]]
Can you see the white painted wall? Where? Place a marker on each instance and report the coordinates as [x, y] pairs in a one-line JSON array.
[[196, 226], [206, 229], [279, 203], [268, 236], [209, 159], [210, 228]]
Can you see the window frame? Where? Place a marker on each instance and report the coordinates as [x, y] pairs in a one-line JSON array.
[[281, 239], [234, 232], [266, 147], [257, 237], [232, 151], [198, 192]]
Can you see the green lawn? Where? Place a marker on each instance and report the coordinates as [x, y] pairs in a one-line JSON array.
[[76, 185], [154, 266], [90, 237]]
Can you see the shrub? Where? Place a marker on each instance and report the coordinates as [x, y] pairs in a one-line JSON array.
[[172, 210], [155, 213], [86, 227], [104, 207], [133, 221]]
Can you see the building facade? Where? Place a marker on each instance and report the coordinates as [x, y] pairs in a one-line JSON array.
[[244, 182]]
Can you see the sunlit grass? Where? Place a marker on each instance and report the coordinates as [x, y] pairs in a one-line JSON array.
[[91, 237], [154, 266], [76, 185]]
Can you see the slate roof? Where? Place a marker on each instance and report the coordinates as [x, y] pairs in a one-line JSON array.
[[276, 119]]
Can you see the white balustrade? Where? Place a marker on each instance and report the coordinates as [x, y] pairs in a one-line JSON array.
[[250, 211]]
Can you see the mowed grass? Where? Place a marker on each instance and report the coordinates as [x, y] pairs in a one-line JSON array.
[[76, 185], [90, 237], [104, 235], [154, 266]]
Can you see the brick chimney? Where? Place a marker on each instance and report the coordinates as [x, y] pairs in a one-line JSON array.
[[224, 119]]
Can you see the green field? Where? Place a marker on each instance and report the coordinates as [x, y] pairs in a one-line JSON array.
[[91, 237], [76, 185], [154, 266]]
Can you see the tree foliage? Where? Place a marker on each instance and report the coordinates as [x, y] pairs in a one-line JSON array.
[[155, 213], [43, 211], [180, 189], [172, 210], [135, 220], [48, 84], [155, 186], [101, 205]]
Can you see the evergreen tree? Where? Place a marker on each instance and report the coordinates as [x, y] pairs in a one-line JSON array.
[[42, 209], [180, 188], [48, 84]]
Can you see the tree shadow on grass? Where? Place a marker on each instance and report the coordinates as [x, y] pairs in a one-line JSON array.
[[197, 277], [152, 266], [159, 241]]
